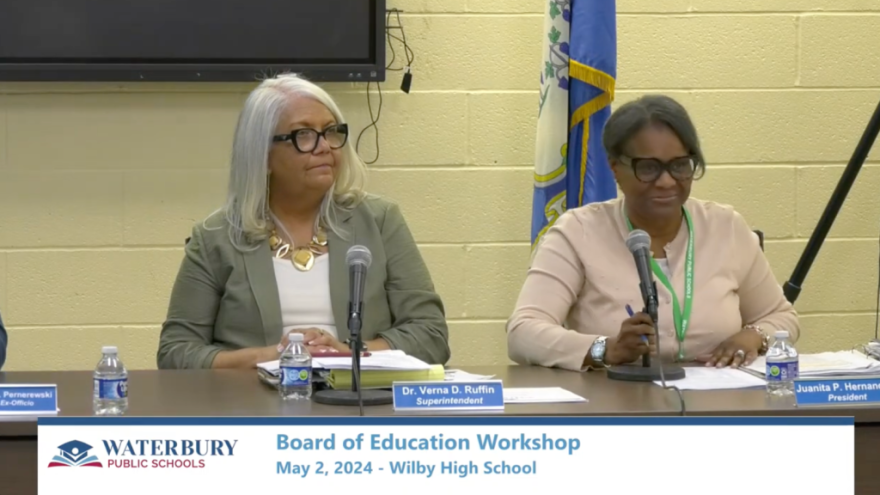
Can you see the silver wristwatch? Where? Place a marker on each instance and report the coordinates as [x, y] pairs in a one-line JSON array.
[[597, 352]]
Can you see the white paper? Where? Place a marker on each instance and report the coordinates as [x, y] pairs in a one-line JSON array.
[[379, 360], [539, 395], [827, 364], [872, 349], [464, 376], [9, 415], [703, 378]]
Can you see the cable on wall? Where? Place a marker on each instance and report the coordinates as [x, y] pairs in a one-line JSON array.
[[405, 84]]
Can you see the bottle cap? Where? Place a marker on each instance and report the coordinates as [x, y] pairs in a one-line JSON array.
[[781, 334], [295, 337], [109, 349]]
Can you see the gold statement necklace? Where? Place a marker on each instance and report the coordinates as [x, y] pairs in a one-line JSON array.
[[303, 257]]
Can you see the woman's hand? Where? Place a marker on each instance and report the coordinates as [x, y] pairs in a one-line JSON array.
[[741, 349], [636, 338], [316, 339], [273, 352]]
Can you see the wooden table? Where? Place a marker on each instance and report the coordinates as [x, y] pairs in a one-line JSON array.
[[240, 393]]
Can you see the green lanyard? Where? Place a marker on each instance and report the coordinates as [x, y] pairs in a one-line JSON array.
[[680, 318]]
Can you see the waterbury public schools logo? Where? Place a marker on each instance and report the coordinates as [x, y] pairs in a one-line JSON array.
[[75, 454]]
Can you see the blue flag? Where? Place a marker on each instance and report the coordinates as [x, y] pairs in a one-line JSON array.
[[578, 72]]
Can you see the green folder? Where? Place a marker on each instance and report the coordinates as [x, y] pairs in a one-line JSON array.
[[341, 379]]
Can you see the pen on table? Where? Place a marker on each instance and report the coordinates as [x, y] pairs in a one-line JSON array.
[[631, 314]]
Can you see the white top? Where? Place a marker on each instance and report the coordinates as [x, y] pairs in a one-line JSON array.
[[305, 296], [664, 265]]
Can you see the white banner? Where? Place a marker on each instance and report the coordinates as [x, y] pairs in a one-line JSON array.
[[427, 456]]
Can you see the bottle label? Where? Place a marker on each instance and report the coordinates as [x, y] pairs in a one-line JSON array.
[[778, 372], [292, 376], [111, 389]]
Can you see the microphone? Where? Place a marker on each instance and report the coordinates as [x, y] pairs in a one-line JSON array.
[[639, 244], [358, 259]]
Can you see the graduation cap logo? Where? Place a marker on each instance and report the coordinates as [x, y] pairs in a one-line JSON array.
[[75, 454]]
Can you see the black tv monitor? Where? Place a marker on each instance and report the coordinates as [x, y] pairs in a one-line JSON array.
[[191, 40]]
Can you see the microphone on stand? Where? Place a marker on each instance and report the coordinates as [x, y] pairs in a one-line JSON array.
[[358, 258], [639, 244]]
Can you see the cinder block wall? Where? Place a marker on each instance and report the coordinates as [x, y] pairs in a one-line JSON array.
[[100, 183]]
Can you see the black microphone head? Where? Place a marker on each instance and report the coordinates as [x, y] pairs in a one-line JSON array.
[[638, 239], [359, 255]]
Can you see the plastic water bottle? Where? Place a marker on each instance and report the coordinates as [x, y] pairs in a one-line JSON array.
[[782, 366], [296, 370], [110, 395]]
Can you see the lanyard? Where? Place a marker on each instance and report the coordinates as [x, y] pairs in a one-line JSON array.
[[680, 318]]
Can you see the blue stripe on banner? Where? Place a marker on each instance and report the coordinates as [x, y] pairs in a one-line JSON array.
[[454, 421]]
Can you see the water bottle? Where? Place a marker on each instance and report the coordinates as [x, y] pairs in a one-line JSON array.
[[110, 395], [296, 370], [782, 366]]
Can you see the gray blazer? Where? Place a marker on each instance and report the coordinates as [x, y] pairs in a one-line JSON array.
[[226, 299]]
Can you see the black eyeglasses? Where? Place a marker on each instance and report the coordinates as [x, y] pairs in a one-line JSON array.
[[306, 140], [650, 169]]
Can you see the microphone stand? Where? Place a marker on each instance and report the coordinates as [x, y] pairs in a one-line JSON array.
[[355, 344], [651, 308], [356, 396], [792, 288], [647, 372]]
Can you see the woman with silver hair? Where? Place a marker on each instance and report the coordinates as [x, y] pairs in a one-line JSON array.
[[719, 302], [272, 260]]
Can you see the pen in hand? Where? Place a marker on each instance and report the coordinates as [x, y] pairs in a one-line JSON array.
[[629, 310]]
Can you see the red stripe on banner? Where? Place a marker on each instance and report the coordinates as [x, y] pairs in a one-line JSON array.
[[57, 464], [92, 464]]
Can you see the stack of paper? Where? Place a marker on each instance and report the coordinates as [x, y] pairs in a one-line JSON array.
[[341, 379], [379, 360], [827, 364], [872, 349], [386, 378], [378, 370]]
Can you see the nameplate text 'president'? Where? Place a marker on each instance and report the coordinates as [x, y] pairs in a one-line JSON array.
[[837, 391]]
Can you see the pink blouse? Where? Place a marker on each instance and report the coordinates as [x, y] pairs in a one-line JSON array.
[[582, 277]]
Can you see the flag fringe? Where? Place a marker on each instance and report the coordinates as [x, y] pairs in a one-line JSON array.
[[603, 81], [591, 76]]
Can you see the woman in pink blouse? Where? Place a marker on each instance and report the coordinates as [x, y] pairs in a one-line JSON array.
[[571, 312]]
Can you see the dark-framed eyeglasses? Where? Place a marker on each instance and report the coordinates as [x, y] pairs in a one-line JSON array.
[[681, 168], [306, 140]]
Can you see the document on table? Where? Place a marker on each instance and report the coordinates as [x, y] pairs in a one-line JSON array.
[[379, 360], [464, 376], [828, 364], [703, 378], [540, 395]]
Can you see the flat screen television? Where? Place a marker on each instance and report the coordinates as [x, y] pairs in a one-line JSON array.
[[191, 40]]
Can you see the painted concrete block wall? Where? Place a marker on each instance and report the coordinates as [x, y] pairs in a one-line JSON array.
[[101, 183]]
